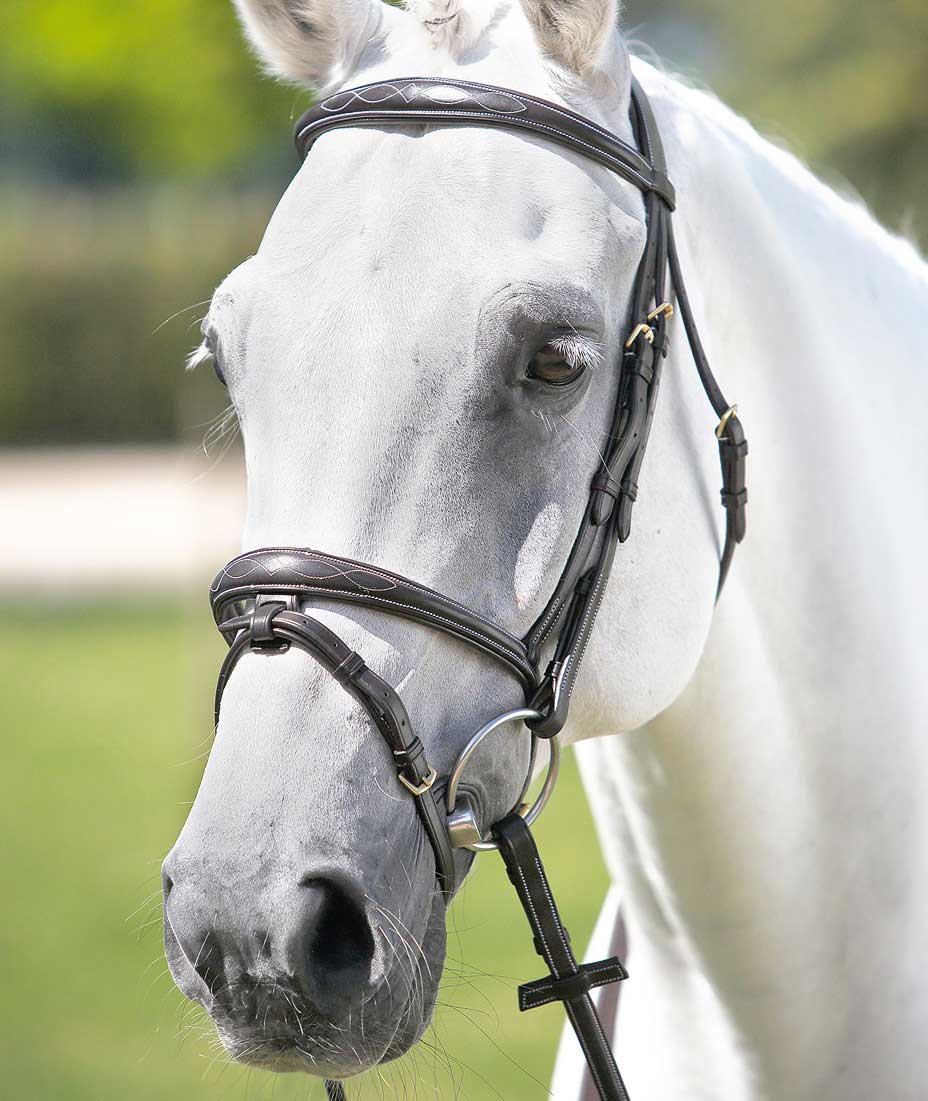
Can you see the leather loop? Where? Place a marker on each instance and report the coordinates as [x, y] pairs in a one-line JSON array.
[[734, 500], [640, 360], [604, 482], [261, 628], [349, 669]]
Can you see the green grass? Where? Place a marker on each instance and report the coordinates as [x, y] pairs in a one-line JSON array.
[[106, 710]]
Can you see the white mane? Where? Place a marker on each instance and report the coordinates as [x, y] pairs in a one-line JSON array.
[[842, 203]]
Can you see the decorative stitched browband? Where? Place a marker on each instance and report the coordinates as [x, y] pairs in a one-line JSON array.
[[431, 100]]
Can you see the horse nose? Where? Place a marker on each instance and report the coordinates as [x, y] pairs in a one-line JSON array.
[[329, 946], [312, 941]]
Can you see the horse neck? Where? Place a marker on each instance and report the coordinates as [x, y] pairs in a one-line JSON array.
[[728, 819], [816, 320]]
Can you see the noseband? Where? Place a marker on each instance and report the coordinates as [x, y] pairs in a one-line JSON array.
[[259, 598]]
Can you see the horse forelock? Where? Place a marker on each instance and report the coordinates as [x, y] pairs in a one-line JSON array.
[[456, 25]]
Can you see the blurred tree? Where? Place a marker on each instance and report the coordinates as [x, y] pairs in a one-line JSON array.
[[164, 92], [845, 85], [151, 87], [157, 88]]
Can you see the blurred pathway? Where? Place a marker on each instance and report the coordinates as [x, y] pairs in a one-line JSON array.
[[85, 521]]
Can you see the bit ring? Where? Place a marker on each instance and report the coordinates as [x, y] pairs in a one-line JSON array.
[[528, 812]]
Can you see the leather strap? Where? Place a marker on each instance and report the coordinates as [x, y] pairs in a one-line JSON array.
[[575, 602], [406, 101], [568, 981], [733, 447], [271, 628]]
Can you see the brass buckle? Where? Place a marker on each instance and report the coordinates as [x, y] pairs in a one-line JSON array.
[[665, 308], [726, 417], [644, 330], [419, 789]]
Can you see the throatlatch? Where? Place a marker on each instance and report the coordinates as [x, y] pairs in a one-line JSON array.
[[259, 599]]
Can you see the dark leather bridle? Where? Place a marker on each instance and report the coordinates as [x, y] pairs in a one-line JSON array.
[[259, 598]]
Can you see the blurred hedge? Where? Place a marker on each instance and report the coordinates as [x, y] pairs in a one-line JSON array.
[[99, 306]]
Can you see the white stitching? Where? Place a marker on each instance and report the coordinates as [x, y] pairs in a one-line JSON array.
[[647, 185], [549, 959], [589, 969], [592, 610], [395, 579], [544, 104], [494, 645], [410, 88], [571, 1012], [543, 880]]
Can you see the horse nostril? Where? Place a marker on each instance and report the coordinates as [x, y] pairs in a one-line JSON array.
[[209, 963], [339, 946]]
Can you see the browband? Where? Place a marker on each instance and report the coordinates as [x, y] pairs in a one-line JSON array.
[[409, 100]]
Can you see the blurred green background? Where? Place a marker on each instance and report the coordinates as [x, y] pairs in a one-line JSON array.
[[106, 732], [140, 157]]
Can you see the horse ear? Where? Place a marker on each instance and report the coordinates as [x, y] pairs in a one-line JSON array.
[[314, 42], [582, 35]]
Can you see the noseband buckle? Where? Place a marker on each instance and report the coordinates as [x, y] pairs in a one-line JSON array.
[[419, 789]]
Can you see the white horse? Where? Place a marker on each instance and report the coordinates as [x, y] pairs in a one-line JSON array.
[[757, 769]]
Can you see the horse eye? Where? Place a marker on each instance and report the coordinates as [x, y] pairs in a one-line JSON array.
[[549, 365], [213, 345]]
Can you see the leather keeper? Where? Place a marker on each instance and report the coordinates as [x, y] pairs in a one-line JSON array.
[[734, 500], [628, 497], [733, 451], [606, 483], [639, 360], [407, 756], [606, 490], [261, 634], [347, 670]]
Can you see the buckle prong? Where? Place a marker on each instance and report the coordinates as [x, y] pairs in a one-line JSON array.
[[644, 330], [665, 308], [726, 417]]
